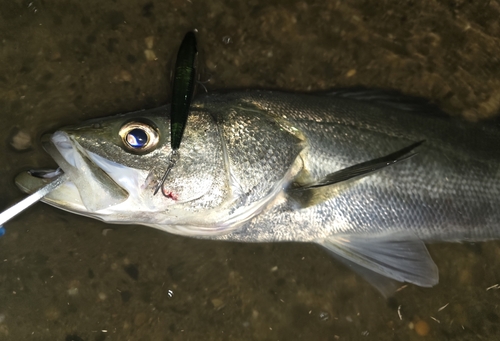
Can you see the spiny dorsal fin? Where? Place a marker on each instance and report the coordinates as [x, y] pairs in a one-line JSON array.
[[390, 98]]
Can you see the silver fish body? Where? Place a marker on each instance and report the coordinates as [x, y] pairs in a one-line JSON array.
[[450, 191], [246, 156]]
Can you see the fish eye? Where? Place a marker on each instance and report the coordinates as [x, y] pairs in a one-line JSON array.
[[139, 137]]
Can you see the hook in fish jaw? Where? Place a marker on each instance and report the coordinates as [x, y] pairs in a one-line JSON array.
[[173, 157]]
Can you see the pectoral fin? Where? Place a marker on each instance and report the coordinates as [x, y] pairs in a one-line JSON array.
[[360, 170], [398, 256], [307, 193]]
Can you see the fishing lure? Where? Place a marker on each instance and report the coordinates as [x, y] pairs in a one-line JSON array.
[[183, 88], [182, 93]]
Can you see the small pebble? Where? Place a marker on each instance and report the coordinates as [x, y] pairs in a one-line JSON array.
[[324, 316], [106, 231], [150, 55], [350, 73], [102, 296], [125, 76], [21, 141], [217, 303], [149, 42], [73, 291], [422, 328]]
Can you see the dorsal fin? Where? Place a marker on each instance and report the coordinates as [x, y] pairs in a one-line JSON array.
[[390, 98]]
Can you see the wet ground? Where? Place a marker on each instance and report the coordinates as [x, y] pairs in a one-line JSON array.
[[64, 277]]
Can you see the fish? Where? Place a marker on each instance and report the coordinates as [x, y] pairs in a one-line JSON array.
[[369, 175]]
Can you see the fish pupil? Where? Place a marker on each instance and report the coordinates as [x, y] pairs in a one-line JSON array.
[[137, 138]]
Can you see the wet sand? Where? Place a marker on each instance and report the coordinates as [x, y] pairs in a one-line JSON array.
[[65, 277]]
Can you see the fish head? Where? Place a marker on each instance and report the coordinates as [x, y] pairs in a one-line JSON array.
[[114, 164], [234, 162]]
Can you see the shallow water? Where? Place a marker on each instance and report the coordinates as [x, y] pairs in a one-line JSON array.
[[65, 277]]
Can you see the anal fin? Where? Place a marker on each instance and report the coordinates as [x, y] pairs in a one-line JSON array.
[[385, 285], [398, 256]]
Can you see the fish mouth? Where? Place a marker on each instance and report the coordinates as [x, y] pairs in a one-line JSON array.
[[91, 186]]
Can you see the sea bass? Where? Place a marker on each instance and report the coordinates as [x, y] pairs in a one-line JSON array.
[[367, 175]]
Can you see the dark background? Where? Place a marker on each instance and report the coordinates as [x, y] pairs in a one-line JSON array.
[[64, 277]]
